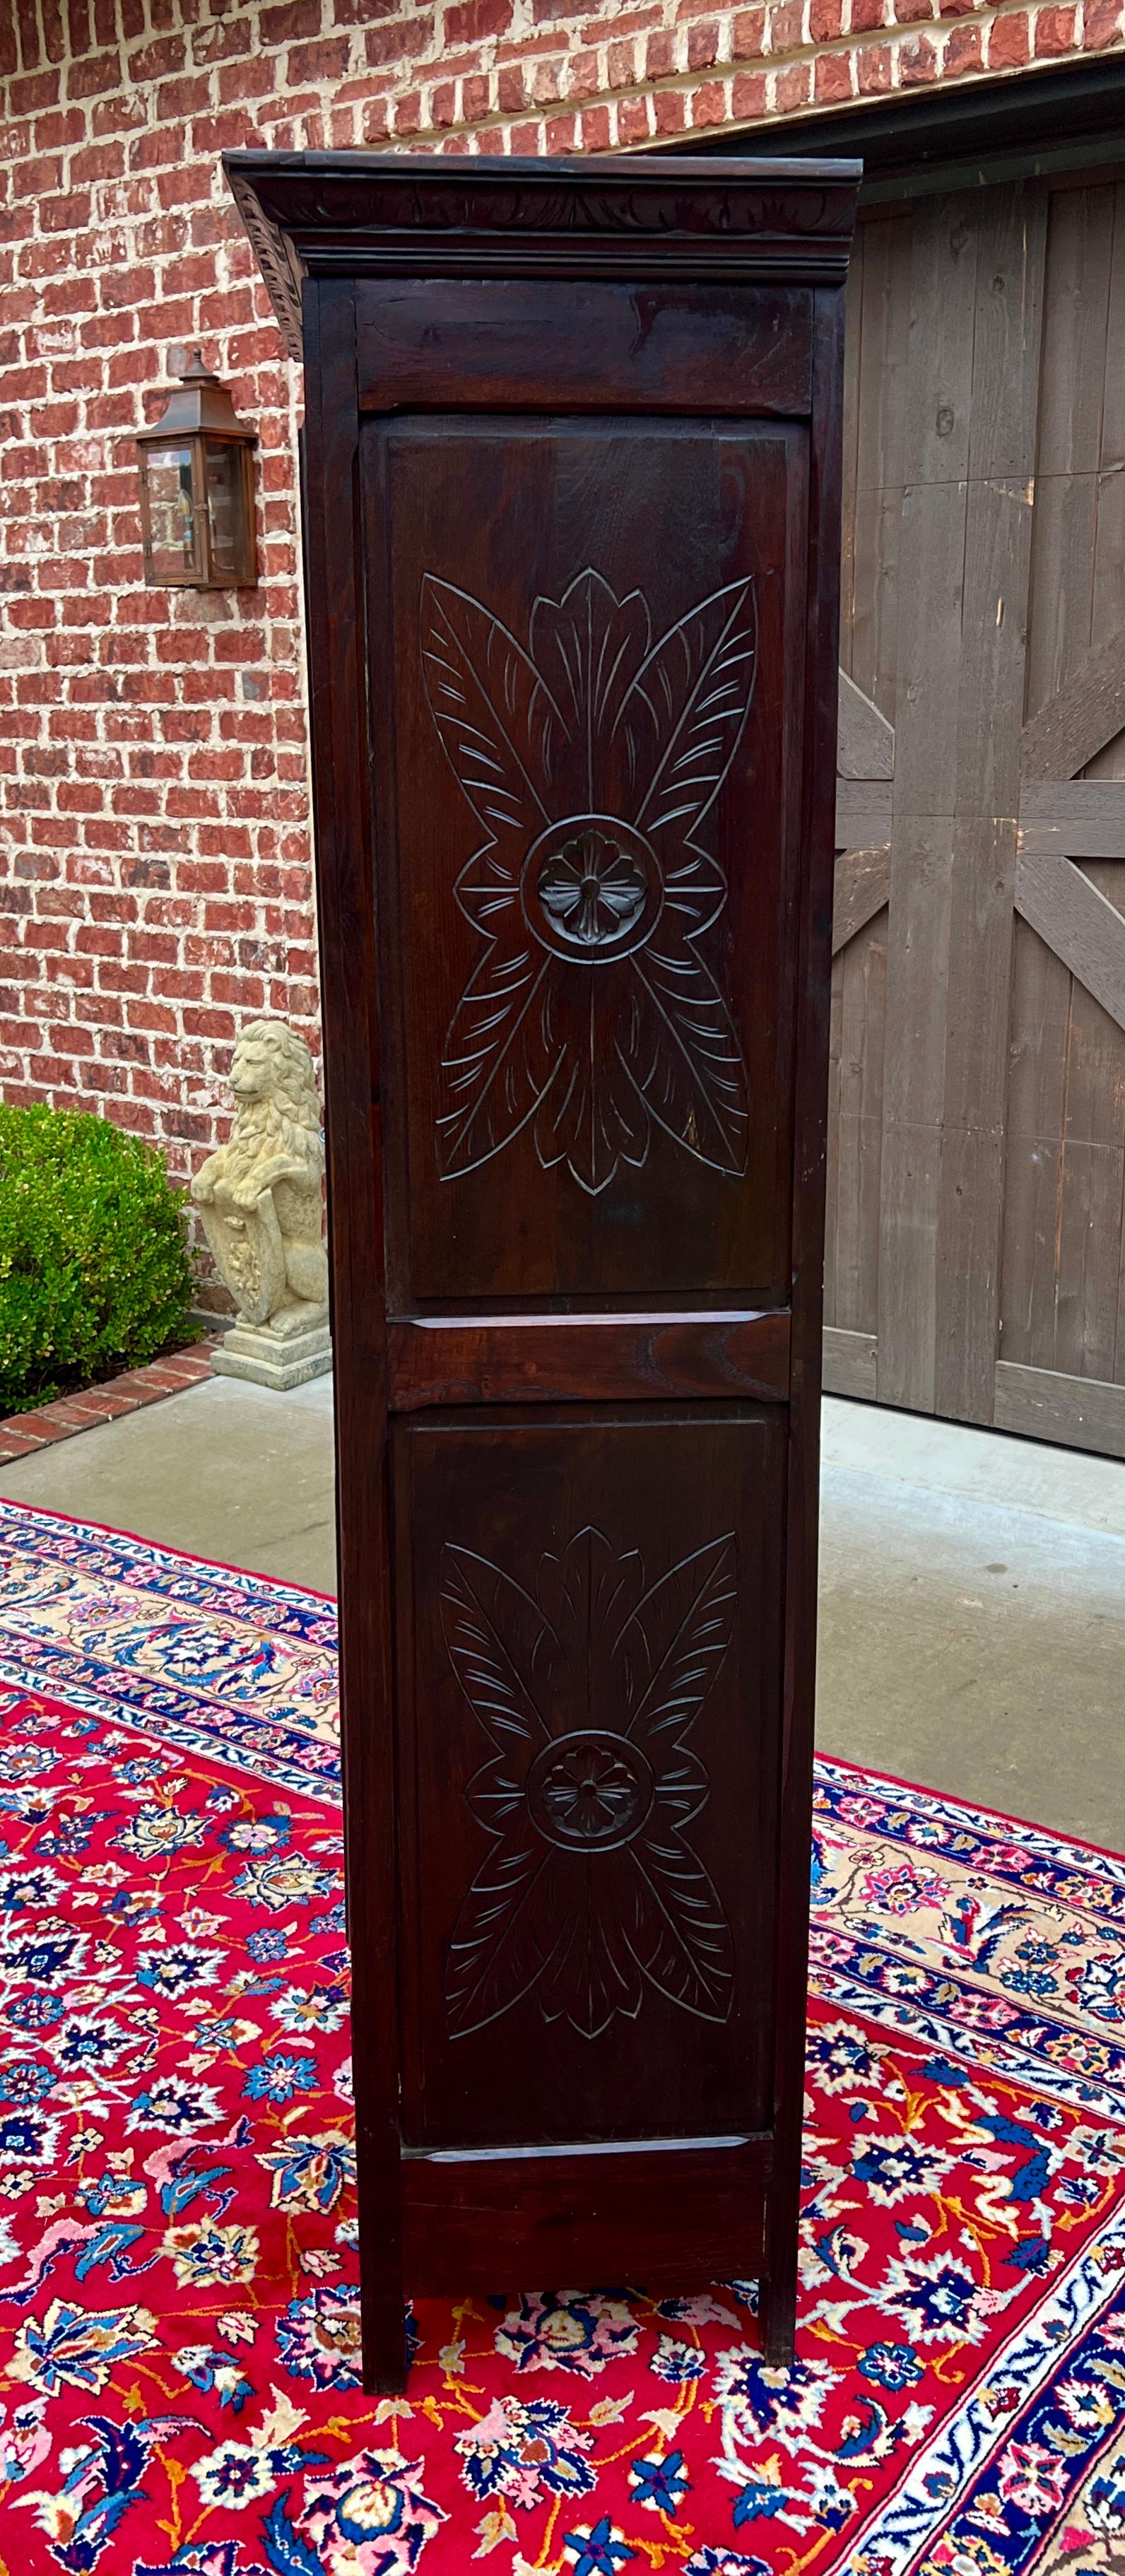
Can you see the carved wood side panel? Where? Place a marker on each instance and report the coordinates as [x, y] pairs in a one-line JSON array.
[[588, 1733], [591, 758], [583, 916], [587, 1683]]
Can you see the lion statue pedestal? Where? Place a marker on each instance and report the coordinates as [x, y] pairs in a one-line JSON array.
[[259, 1199]]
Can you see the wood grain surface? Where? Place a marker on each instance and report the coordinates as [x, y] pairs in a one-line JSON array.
[[977, 1176], [572, 502]]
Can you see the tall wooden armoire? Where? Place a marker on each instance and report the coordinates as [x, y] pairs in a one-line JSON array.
[[571, 501]]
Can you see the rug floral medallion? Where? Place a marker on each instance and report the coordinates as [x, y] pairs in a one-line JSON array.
[[179, 2372]]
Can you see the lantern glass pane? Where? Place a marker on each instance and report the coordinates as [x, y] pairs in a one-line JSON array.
[[171, 516], [223, 474]]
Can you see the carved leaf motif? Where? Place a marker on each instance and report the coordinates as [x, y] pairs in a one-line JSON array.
[[492, 710], [590, 1118], [594, 1971], [573, 1686], [501, 1052], [591, 734], [487, 890], [674, 1642], [695, 890], [681, 1050], [682, 1787], [507, 1930], [680, 1936], [590, 646], [499, 1645], [588, 1594], [497, 1789], [695, 689]]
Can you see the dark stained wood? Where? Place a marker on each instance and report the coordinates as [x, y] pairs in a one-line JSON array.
[[640, 218], [853, 313], [573, 502], [481, 2221], [558, 1575], [607, 344], [351, 1095], [504, 1054], [514, 1359], [778, 2292]]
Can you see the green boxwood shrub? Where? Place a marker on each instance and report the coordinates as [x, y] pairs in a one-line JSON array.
[[94, 1269]]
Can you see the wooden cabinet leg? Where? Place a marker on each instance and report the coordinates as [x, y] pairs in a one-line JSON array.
[[385, 2366], [777, 2292], [777, 2304]]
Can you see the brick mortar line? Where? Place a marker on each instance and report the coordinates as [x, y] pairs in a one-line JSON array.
[[750, 67], [428, 73], [895, 35], [757, 67]]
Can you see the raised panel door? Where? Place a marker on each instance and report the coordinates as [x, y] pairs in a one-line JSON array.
[[586, 827], [588, 1762]]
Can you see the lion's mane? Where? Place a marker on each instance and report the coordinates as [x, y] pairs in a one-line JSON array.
[[289, 1114]]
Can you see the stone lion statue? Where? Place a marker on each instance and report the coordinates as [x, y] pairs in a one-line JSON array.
[[259, 1196]]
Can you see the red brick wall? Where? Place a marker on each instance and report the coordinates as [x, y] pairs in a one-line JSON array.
[[155, 875], [155, 880]]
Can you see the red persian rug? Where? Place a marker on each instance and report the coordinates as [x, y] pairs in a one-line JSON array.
[[178, 2362]]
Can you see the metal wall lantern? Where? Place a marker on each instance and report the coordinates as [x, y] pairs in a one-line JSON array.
[[197, 489]]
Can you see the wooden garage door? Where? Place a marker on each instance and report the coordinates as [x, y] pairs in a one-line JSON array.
[[975, 1257]]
